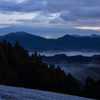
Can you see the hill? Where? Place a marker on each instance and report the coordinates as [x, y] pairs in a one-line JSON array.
[[18, 68], [67, 42], [17, 93], [68, 59]]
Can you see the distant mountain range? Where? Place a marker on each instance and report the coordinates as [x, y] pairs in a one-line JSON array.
[[62, 58], [91, 36], [67, 42]]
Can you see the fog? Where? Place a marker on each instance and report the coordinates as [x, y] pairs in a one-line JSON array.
[[69, 53], [81, 71], [78, 70]]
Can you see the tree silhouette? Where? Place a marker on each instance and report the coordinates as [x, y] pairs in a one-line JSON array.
[[17, 68], [73, 86]]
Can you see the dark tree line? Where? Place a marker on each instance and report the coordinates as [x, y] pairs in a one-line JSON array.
[[18, 68]]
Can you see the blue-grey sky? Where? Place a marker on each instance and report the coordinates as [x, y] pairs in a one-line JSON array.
[[50, 18]]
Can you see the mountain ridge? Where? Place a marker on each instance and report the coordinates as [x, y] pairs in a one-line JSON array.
[[67, 42]]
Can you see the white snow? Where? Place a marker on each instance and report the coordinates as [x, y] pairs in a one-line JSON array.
[[18, 93]]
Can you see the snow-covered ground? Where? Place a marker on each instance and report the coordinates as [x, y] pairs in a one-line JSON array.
[[18, 93]]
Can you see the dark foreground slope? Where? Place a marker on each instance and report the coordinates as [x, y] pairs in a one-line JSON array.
[[67, 42]]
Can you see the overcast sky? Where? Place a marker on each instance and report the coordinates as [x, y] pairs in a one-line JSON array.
[[50, 18]]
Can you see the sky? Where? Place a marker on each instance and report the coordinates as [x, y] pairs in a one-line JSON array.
[[50, 18]]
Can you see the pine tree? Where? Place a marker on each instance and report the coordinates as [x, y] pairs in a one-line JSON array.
[[3, 67], [73, 86]]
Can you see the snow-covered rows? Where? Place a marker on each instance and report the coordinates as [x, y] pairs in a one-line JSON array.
[[18, 93]]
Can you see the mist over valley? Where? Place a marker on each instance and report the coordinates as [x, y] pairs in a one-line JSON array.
[[79, 64], [67, 53]]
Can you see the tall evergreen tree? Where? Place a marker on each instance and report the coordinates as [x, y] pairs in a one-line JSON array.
[[3, 68], [73, 86]]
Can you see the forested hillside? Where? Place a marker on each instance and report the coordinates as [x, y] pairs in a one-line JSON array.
[[19, 69]]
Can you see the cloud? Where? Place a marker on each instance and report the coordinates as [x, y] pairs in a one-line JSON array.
[[24, 6], [81, 14], [56, 21], [89, 12], [2, 26], [54, 12], [89, 28], [68, 16], [52, 6]]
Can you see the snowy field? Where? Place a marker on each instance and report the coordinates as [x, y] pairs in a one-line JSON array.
[[14, 93]]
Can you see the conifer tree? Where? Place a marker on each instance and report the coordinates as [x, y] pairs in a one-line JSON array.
[[3, 67]]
